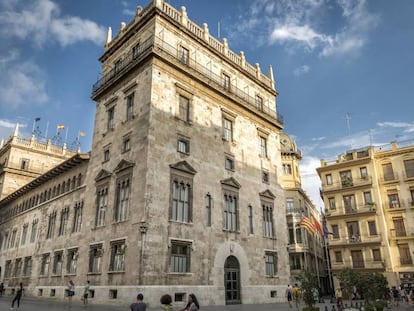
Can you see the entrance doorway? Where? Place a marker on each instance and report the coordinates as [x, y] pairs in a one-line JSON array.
[[232, 280]]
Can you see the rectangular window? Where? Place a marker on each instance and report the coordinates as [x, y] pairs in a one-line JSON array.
[[77, 218], [270, 263], [123, 193], [95, 258], [335, 231], [102, 202], [180, 257], [33, 233], [388, 171], [227, 129], [393, 200], [357, 259], [287, 169], [295, 262], [376, 254], [338, 257], [44, 268], [291, 234], [181, 201], [24, 164], [126, 144], [263, 146], [51, 225], [110, 123], [184, 108], [230, 212], [332, 204], [117, 256], [58, 262], [184, 55], [299, 235], [183, 146], [265, 177], [13, 238], [72, 260], [27, 268], [135, 51], [229, 163], [64, 216], [353, 231], [225, 81], [208, 209], [290, 205], [328, 179], [250, 213], [267, 219], [346, 178], [405, 254], [372, 228], [364, 173], [367, 198], [399, 227], [259, 102], [409, 168], [130, 107], [17, 267], [349, 203], [106, 155]]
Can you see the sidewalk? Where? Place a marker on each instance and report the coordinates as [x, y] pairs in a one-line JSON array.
[[35, 304]]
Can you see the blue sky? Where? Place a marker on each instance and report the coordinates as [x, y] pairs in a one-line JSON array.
[[330, 59]]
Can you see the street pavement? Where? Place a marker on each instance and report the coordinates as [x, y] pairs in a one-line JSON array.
[[44, 304]]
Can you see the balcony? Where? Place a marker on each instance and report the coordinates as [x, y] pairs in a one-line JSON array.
[[158, 46], [368, 264], [404, 261], [400, 234], [361, 210], [347, 184], [355, 239]]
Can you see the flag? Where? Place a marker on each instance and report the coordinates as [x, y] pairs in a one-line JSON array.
[[316, 224], [307, 224], [37, 119], [325, 228], [82, 133], [60, 127]]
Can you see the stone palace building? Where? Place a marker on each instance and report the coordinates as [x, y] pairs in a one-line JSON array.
[[181, 191]]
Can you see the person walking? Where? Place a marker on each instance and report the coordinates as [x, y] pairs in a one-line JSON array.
[[166, 301], [19, 293], [1, 289], [139, 305], [338, 296], [288, 295], [192, 304], [296, 295], [71, 291], [86, 293]]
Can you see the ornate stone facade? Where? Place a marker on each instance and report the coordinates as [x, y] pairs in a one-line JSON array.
[[181, 191]]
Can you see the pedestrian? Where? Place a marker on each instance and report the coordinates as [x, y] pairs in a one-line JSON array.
[[19, 293], [139, 305], [1, 289], [192, 304], [288, 295], [338, 296], [166, 301], [296, 295], [86, 293], [71, 291]]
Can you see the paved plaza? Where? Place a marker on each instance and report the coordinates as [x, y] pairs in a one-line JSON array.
[[34, 304]]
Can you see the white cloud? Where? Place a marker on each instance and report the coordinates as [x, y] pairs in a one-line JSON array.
[[7, 124], [319, 138], [301, 70], [310, 179], [126, 9], [298, 24], [23, 84], [41, 21]]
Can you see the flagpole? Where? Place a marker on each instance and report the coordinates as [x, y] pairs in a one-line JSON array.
[[66, 136], [316, 260], [47, 128], [34, 122], [328, 264]]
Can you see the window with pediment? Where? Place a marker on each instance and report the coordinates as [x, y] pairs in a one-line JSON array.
[[230, 188]]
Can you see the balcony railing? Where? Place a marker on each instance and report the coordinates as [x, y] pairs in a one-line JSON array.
[[354, 239], [158, 45], [389, 178], [352, 210], [406, 261], [348, 183], [399, 233]]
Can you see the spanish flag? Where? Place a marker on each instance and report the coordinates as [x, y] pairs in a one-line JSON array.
[[307, 224], [60, 127], [316, 224]]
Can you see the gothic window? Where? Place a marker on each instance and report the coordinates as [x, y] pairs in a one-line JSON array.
[[123, 193], [51, 225], [95, 258], [180, 256], [271, 263], [117, 262], [58, 262], [64, 216], [101, 206], [77, 218], [72, 260]]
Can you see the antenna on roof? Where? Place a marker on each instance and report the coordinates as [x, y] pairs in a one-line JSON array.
[[218, 30]]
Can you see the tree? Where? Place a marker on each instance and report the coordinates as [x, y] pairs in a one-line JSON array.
[[309, 282]]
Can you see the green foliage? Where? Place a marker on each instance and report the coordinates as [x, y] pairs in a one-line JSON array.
[[309, 282], [380, 305], [310, 309], [373, 285], [369, 307]]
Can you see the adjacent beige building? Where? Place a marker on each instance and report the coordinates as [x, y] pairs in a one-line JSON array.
[[306, 251], [369, 199], [181, 191]]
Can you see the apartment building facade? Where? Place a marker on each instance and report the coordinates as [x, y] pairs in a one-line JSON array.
[[180, 192], [368, 195]]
